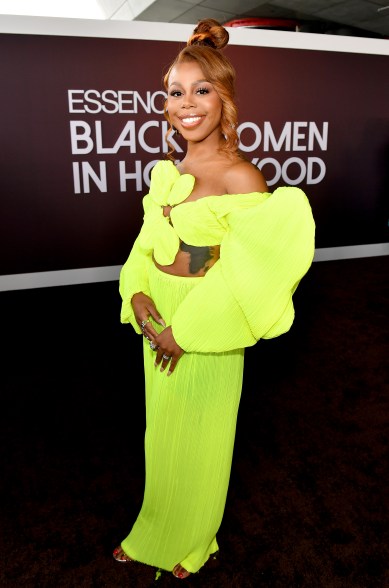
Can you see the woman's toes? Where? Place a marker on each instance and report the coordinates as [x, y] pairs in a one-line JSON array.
[[120, 555], [180, 572]]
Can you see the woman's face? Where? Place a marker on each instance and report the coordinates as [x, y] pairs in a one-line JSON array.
[[194, 106]]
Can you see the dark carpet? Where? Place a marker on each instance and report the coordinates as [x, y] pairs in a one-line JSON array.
[[308, 499]]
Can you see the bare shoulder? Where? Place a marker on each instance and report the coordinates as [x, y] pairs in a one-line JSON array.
[[243, 177]]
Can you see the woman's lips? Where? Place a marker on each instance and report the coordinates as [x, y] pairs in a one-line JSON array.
[[189, 122]]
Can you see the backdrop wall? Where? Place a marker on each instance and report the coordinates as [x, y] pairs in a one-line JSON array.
[[82, 125]]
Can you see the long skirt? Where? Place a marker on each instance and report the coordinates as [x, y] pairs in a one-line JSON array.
[[190, 431]]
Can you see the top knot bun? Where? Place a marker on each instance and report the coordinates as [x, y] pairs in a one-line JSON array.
[[209, 32]]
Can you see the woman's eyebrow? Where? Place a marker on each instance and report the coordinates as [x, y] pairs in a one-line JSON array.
[[174, 83]]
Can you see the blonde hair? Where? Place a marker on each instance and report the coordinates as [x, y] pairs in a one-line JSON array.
[[204, 47]]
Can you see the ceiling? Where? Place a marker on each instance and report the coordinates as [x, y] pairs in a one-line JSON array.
[[358, 18], [365, 18]]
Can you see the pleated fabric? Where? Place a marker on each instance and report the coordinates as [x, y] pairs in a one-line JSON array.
[[190, 432], [264, 254], [267, 244]]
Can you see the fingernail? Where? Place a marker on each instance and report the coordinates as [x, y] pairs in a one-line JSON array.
[[155, 364], [162, 322], [168, 374]]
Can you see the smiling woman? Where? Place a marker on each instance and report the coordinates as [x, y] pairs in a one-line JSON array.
[[212, 271], [192, 102]]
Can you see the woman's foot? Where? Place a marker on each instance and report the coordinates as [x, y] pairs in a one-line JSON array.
[[180, 572], [120, 555]]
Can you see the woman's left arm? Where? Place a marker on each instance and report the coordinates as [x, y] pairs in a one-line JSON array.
[[247, 294]]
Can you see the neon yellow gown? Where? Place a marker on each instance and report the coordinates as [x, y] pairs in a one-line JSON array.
[[266, 247]]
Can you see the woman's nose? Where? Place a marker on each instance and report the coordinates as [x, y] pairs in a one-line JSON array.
[[188, 102]]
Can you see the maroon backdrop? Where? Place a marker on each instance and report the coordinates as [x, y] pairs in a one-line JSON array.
[[46, 223]]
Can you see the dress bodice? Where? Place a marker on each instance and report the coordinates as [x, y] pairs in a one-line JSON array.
[[201, 222]]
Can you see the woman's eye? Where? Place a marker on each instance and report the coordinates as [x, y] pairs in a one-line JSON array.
[[179, 93]]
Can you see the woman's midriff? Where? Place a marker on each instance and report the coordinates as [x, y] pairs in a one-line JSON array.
[[192, 262]]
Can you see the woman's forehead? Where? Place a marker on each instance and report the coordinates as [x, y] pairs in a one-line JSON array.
[[186, 69]]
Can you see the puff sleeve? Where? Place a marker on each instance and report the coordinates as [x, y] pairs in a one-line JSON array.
[[247, 294], [134, 278]]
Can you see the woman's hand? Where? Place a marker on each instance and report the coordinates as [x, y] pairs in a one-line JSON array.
[[144, 308], [168, 350]]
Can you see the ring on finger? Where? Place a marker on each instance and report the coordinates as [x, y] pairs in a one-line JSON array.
[[153, 346], [144, 323], [166, 357]]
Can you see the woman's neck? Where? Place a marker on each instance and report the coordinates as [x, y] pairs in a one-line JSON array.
[[204, 150]]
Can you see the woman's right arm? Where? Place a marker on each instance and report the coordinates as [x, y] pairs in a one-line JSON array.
[[133, 280]]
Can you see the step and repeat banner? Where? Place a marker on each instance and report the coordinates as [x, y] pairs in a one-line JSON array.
[[82, 126]]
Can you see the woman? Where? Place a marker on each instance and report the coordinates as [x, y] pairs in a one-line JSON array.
[[212, 271]]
